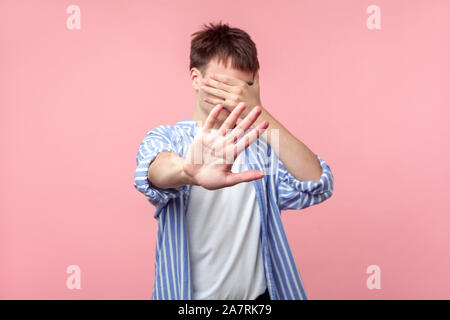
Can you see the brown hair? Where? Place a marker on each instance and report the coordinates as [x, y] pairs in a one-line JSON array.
[[223, 42]]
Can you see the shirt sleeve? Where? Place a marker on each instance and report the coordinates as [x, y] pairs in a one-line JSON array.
[[156, 141], [294, 194]]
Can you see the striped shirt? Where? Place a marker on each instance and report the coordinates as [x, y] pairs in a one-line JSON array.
[[274, 192]]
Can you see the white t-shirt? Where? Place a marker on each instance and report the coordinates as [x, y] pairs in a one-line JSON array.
[[224, 241]]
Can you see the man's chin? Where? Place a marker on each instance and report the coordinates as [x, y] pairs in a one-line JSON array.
[[225, 111], [223, 115]]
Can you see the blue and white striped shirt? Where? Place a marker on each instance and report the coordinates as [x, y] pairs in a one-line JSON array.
[[275, 192]]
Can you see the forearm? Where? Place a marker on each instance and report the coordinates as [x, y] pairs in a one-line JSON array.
[[298, 159], [166, 171]]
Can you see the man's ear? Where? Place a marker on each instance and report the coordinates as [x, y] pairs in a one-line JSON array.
[[256, 79], [196, 77]]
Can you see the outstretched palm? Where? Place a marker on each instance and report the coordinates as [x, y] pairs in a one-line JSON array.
[[212, 153]]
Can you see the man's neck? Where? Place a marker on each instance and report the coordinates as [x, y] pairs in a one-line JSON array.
[[200, 117]]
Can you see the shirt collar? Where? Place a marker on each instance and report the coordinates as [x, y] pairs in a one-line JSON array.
[[190, 123]]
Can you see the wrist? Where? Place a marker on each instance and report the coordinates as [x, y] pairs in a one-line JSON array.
[[185, 177]]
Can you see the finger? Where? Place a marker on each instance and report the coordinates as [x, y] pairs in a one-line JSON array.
[[217, 92], [230, 121], [225, 103], [246, 176], [217, 84], [212, 117], [229, 80], [212, 96], [251, 137], [213, 100], [236, 89], [244, 124]]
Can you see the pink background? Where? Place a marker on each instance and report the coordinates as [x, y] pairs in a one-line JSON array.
[[75, 104]]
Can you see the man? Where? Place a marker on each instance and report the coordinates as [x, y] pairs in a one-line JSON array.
[[219, 187]]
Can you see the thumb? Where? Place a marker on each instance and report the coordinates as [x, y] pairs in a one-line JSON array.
[[246, 176]]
